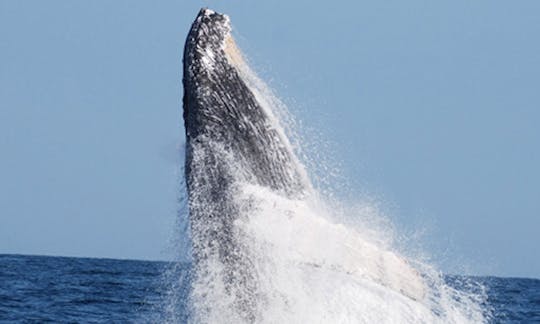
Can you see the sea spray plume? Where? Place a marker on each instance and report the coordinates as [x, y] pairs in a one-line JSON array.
[[264, 248]]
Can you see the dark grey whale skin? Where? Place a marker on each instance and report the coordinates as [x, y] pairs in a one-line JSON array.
[[229, 139]]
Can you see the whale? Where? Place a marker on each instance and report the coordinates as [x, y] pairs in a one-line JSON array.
[[231, 138], [235, 140]]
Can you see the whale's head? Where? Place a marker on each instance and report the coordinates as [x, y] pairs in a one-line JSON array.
[[210, 74], [225, 115]]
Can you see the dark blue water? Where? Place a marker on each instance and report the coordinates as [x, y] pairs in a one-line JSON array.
[[37, 289], [62, 289]]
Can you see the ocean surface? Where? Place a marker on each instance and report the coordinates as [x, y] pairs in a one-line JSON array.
[[37, 289]]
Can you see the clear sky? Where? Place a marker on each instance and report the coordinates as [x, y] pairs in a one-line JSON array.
[[432, 107]]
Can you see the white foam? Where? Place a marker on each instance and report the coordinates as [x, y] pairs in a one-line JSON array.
[[317, 271]]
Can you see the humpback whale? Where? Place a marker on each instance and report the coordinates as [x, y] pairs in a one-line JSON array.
[[230, 138], [234, 139]]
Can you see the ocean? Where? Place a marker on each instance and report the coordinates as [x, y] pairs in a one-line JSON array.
[[39, 289]]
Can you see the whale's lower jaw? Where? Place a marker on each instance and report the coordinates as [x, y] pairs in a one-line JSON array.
[[230, 139]]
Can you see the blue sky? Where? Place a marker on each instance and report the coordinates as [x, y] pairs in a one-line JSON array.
[[433, 108]]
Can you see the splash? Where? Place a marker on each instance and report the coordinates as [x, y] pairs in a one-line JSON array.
[[284, 257]]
